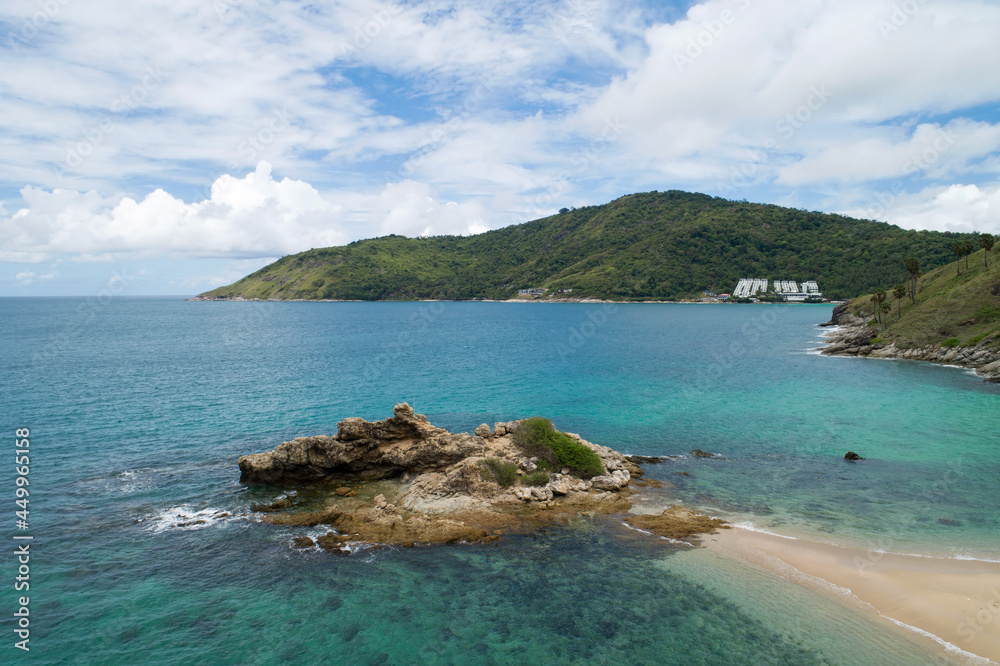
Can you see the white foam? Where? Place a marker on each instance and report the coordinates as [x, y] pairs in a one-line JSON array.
[[128, 481], [950, 648], [812, 351], [938, 556], [750, 527], [674, 541], [186, 518], [974, 559]]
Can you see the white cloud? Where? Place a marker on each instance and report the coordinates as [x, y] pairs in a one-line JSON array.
[[736, 77], [25, 278], [931, 150], [251, 216], [961, 208]]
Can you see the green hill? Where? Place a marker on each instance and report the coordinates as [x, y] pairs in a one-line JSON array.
[[654, 245], [952, 308]]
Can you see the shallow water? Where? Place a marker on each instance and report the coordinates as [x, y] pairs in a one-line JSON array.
[[139, 408]]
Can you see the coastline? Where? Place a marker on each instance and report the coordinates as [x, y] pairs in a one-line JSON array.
[[851, 336], [595, 301], [953, 604]]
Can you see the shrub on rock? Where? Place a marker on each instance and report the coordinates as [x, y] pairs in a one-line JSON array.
[[538, 437]]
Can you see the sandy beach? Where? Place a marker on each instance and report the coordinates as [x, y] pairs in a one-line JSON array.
[[957, 601]]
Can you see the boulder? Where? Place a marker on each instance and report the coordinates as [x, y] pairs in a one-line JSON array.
[[698, 453], [644, 460], [560, 485], [483, 430], [542, 494], [363, 449], [614, 481], [852, 456]]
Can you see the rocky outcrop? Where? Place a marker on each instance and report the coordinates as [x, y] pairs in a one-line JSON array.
[[405, 442], [646, 460], [852, 456], [842, 316], [678, 523], [698, 453], [403, 481], [854, 338]]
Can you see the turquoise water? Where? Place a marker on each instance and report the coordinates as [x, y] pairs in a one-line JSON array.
[[138, 409]]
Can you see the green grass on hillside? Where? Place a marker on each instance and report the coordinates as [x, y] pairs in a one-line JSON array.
[[949, 307], [654, 245]]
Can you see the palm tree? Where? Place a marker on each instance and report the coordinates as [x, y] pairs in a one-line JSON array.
[[956, 249], [986, 242], [967, 249], [878, 298], [899, 291], [912, 266]]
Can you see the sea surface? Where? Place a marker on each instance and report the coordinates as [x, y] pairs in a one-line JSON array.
[[144, 549]]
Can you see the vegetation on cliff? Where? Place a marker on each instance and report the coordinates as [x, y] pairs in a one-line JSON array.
[[653, 245], [951, 306]]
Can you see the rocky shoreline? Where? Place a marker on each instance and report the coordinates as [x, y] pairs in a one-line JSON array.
[[402, 481], [854, 335]]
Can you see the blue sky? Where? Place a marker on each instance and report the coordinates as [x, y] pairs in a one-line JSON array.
[[172, 147]]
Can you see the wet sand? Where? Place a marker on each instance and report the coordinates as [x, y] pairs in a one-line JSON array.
[[957, 601]]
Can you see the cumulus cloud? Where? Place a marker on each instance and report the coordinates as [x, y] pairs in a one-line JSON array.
[[960, 208], [251, 216]]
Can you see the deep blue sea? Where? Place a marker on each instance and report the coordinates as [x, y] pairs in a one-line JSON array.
[[138, 409]]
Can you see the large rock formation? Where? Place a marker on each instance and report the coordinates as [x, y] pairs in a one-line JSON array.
[[404, 481], [405, 442]]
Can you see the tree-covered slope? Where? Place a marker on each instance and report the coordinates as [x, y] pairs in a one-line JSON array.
[[654, 245], [957, 305]]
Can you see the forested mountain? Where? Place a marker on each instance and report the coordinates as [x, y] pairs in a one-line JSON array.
[[653, 245]]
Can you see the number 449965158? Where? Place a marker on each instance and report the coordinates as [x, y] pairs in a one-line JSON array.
[[21, 461]]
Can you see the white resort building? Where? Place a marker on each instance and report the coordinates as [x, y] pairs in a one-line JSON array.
[[788, 289]]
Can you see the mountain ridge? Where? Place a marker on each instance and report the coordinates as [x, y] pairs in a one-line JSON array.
[[646, 246]]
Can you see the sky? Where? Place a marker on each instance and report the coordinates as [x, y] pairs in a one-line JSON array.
[[172, 147]]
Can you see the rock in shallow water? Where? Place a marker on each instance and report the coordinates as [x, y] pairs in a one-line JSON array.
[[678, 523], [403, 481], [698, 453], [368, 450]]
